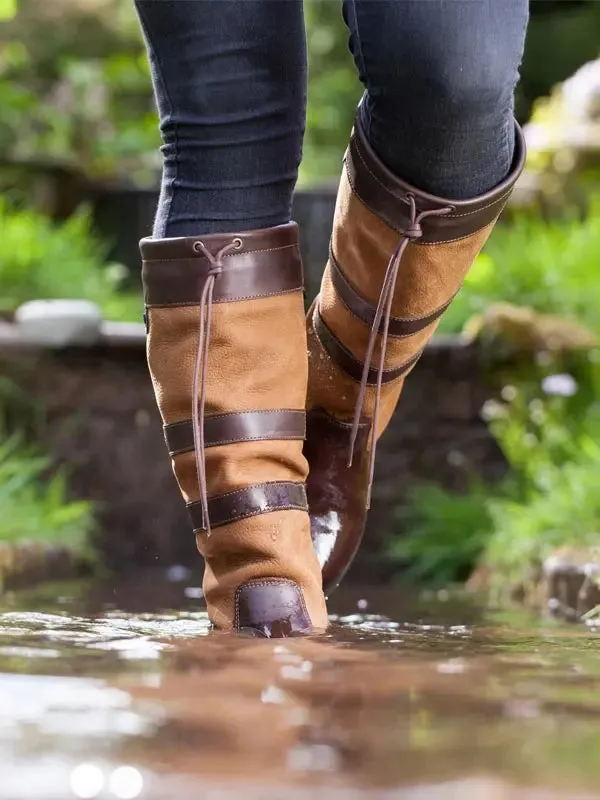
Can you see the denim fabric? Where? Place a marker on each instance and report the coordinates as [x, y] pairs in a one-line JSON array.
[[439, 78], [230, 84]]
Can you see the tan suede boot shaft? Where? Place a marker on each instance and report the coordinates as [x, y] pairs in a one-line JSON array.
[[253, 412], [398, 257], [430, 276]]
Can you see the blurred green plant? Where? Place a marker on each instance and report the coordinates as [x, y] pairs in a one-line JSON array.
[[550, 266], [8, 9], [549, 431], [549, 499], [36, 507], [333, 92], [75, 90], [43, 260], [547, 424]]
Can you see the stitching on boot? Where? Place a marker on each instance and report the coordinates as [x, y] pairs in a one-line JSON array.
[[407, 364], [226, 300], [439, 310], [227, 255], [266, 582], [421, 243], [250, 514], [242, 489], [449, 216]]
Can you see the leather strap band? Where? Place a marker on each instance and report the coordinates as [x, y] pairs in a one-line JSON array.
[[260, 264], [249, 502], [386, 194], [240, 426], [351, 365], [365, 312]]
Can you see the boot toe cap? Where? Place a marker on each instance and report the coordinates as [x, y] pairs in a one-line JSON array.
[[271, 608]]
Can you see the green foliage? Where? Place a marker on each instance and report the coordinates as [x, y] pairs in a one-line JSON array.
[[550, 498], [41, 260], [8, 9], [551, 441], [333, 91], [447, 533], [551, 266], [75, 90], [35, 508], [552, 444]]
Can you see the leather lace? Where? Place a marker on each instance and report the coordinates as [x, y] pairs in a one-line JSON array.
[[200, 368], [384, 312]]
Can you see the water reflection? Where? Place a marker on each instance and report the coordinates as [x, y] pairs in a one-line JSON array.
[[109, 703]]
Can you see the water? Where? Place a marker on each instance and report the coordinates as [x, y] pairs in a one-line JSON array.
[[121, 692]]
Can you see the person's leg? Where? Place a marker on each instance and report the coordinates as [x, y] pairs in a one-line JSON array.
[[432, 160], [230, 84], [223, 293], [439, 77]]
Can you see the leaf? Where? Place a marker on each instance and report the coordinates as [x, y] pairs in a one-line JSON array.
[[8, 9]]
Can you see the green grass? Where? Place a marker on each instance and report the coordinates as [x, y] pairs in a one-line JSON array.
[[551, 442], [41, 260], [549, 499], [552, 267], [36, 507]]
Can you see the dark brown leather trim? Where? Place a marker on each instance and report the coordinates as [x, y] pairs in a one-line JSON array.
[[271, 607], [385, 194], [336, 493], [248, 502], [363, 310], [351, 365], [240, 426], [266, 263]]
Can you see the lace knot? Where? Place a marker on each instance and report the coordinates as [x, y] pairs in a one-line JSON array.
[[414, 231]]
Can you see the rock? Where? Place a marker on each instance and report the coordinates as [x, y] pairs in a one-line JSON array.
[[59, 323], [571, 582], [26, 563], [521, 329]]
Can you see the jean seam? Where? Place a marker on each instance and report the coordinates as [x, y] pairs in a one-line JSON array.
[[170, 104], [508, 156]]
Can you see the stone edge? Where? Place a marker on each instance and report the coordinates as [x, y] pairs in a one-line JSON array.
[[132, 335]]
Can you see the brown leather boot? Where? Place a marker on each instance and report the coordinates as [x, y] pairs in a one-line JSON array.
[[397, 258], [227, 355]]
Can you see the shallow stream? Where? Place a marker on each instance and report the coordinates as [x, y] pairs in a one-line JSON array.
[[122, 692]]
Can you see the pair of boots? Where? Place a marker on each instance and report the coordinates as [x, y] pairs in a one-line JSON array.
[[273, 442]]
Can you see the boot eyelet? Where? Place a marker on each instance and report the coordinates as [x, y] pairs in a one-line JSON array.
[[198, 247], [237, 243]]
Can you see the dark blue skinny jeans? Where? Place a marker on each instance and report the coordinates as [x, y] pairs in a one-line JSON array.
[[230, 82]]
